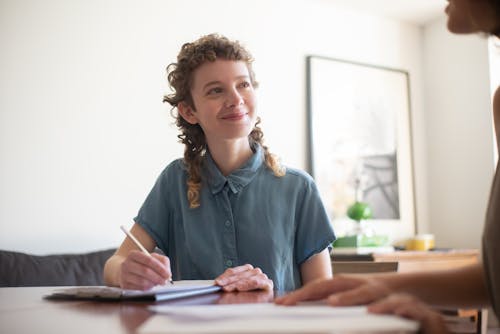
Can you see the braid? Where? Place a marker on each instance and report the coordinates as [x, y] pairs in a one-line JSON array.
[[194, 151], [272, 162]]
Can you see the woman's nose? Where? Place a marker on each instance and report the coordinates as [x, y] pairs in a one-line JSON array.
[[233, 99]]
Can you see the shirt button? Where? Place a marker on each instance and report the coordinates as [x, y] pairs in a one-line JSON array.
[[227, 223], [229, 263]]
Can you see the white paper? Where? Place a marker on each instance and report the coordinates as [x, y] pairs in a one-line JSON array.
[[167, 288], [269, 318]]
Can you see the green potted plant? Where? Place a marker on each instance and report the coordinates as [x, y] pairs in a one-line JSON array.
[[361, 235]]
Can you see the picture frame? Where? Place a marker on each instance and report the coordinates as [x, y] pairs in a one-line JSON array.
[[360, 143]]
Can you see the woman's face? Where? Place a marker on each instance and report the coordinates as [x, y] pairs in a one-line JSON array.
[[470, 16], [224, 100]]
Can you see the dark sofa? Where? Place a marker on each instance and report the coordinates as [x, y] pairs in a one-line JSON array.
[[21, 269]]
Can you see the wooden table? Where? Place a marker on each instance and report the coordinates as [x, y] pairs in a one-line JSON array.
[[23, 310]]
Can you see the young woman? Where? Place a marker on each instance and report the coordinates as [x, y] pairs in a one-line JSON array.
[[228, 210], [472, 286]]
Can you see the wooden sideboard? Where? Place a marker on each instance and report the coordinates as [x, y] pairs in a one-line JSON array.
[[407, 261]]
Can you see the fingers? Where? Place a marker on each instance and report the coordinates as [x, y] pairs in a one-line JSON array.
[[410, 307], [313, 291], [321, 289], [244, 278], [251, 283], [231, 274], [244, 297], [163, 268], [391, 303], [141, 272], [361, 295]]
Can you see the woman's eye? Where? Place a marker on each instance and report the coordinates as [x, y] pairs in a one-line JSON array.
[[215, 90], [245, 84]]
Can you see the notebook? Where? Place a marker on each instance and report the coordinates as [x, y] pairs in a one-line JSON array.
[[179, 289]]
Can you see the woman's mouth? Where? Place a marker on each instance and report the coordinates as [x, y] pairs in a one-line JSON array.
[[234, 116]]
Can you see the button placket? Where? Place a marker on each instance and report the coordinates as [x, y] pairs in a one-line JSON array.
[[229, 233]]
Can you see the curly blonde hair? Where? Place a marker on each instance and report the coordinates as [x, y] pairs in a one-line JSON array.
[[180, 77]]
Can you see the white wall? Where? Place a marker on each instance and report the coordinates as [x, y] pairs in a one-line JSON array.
[[458, 130], [83, 132]]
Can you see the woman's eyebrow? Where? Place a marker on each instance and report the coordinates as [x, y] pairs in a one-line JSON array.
[[218, 82], [211, 83]]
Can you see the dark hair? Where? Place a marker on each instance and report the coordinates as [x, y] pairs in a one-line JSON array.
[[495, 4], [180, 77]]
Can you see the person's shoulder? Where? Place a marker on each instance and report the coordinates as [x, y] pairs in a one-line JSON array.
[[174, 168], [296, 172], [298, 175], [177, 163]]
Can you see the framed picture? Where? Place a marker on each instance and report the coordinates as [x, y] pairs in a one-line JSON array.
[[360, 146]]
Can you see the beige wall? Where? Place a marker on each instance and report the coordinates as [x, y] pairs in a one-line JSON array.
[[458, 130]]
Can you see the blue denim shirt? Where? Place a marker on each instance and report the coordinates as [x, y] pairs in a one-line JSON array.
[[250, 216]]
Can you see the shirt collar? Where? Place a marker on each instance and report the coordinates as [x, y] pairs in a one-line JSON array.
[[239, 178]]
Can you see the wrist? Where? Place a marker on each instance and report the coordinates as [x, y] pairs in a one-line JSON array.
[[112, 271]]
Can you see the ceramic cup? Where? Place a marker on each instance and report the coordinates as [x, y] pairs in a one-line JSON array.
[[420, 242]]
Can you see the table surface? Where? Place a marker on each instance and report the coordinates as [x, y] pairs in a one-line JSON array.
[[23, 310]]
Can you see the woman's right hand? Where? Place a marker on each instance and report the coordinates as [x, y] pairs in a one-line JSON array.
[[142, 272]]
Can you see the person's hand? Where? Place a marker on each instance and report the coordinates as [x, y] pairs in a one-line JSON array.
[[404, 305], [244, 278], [142, 272], [342, 290], [246, 297]]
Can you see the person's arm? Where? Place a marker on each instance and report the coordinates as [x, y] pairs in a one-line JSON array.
[[318, 266], [456, 288], [131, 269], [459, 287]]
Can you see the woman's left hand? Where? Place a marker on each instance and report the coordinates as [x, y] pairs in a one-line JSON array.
[[244, 278]]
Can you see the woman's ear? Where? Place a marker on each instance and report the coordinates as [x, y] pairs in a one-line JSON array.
[[187, 112]]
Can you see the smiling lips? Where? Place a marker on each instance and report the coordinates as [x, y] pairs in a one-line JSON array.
[[234, 116]]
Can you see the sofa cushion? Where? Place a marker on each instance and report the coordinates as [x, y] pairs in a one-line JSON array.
[[21, 269]]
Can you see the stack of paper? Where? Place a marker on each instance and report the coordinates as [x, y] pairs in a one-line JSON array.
[[270, 318]]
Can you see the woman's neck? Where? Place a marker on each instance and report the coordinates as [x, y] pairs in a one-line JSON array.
[[229, 155]]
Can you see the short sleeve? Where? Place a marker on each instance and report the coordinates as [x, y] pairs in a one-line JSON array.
[[314, 232], [154, 214]]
